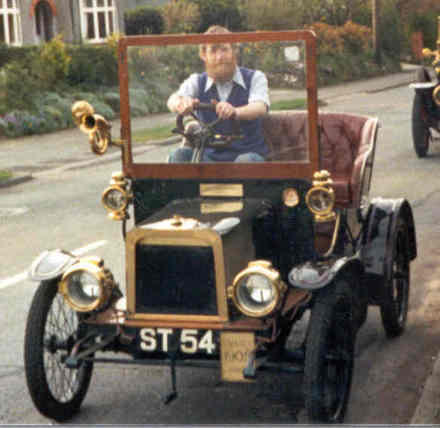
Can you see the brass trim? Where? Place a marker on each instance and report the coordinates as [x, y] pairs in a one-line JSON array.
[[436, 95], [335, 235], [221, 207], [220, 189], [290, 197], [198, 237]]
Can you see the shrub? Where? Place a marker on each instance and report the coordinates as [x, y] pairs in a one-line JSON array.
[[144, 20], [391, 30], [53, 62], [93, 66], [181, 17], [357, 38], [219, 12], [20, 84], [271, 15], [14, 53]]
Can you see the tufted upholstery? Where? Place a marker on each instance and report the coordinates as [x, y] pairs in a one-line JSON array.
[[345, 142]]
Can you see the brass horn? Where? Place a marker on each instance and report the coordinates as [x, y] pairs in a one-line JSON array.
[[94, 125], [436, 95]]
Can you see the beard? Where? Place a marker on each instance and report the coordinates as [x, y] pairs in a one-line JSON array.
[[221, 72]]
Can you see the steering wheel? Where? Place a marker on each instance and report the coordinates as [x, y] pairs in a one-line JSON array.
[[206, 136]]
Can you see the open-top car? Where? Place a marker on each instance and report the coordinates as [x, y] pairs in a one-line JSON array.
[[222, 259], [425, 117]]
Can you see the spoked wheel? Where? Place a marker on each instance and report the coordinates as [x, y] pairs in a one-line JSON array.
[[394, 306], [51, 332], [329, 354], [420, 130]]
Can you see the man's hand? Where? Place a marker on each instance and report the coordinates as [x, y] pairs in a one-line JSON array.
[[182, 105], [225, 110]]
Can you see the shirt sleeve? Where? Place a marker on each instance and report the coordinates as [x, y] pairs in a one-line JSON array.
[[259, 90], [189, 87]]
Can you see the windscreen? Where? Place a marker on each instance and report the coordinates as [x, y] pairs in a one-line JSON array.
[[224, 101], [260, 73]]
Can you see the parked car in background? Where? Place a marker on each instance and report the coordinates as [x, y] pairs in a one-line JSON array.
[[426, 104]]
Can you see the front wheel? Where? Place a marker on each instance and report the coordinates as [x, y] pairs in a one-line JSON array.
[[51, 332], [329, 354], [394, 304]]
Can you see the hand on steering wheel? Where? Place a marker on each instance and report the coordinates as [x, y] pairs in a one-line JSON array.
[[207, 136]]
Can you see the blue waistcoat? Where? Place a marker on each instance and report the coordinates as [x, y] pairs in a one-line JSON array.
[[252, 130]]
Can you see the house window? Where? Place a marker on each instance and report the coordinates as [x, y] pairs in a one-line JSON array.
[[98, 19], [10, 22]]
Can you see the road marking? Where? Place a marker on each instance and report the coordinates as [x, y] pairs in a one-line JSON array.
[[12, 280]]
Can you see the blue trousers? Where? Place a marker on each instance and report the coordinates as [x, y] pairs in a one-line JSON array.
[[184, 154]]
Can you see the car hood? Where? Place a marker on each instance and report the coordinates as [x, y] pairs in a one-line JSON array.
[[234, 220]]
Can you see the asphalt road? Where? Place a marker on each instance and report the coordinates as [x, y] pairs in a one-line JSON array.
[[62, 208]]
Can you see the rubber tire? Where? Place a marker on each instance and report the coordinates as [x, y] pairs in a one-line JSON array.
[[394, 313], [333, 307], [420, 131], [36, 379], [422, 75]]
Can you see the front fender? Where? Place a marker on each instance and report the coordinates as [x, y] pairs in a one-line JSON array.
[[379, 232], [316, 275], [51, 264]]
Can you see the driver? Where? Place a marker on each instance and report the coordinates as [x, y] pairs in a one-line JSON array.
[[239, 93]]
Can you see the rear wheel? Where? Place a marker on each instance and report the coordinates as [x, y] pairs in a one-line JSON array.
[[420, 130], [394, 305], [329, 354], [51, 332]]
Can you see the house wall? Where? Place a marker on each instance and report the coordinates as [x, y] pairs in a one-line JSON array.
[[66, 19]]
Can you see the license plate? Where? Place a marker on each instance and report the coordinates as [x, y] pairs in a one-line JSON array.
[[188, 341]]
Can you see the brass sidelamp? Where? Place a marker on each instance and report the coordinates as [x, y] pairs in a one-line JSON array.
[[321, 197], [117, 197]]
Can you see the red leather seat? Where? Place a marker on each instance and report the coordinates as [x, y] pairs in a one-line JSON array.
[[346, 145]]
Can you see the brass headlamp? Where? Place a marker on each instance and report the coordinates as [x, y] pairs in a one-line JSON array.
[[321, 197], [258, 290], [117, 197], [87, 285]]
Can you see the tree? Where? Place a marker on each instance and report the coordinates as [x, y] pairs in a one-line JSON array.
[[181, 16], [143, 20], [219, 12]]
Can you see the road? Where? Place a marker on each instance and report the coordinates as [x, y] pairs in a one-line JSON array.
[[62, 208]]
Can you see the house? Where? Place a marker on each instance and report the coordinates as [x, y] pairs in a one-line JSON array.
[[37, 21]]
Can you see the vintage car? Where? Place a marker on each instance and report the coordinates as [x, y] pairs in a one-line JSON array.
[[425, 117], [222, 259]]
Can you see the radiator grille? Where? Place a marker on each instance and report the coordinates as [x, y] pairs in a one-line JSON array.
[[175, 280]]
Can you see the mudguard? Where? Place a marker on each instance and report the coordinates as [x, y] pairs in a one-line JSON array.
[[378, 235], [316, 275], [51, 264]]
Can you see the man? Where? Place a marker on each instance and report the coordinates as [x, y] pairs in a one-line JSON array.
[[239, 93]]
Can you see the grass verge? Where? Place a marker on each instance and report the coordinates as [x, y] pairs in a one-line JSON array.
[[4, 175]]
